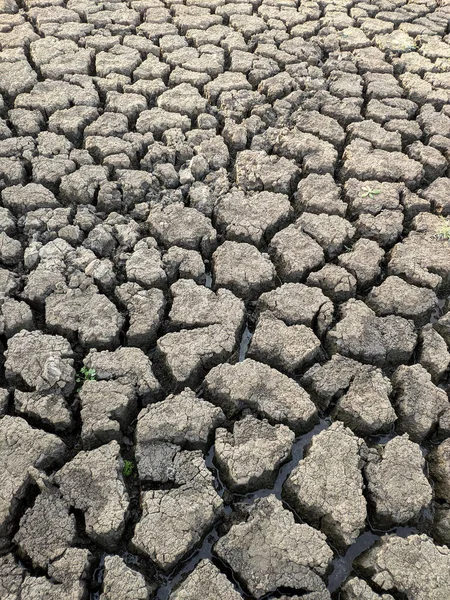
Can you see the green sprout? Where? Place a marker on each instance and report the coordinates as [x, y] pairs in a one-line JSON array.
[[444, 232], [368, 192], [128, 468], [409, 47], [85, 374]]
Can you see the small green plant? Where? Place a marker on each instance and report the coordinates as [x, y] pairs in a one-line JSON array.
[[444, 232], [85, 374], [369, 192], [409, 47], [128, 468]]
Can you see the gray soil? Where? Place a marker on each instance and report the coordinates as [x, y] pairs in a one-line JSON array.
[[225, 299]]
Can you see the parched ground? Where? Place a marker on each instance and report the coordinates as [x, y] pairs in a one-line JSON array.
[[225, 310]]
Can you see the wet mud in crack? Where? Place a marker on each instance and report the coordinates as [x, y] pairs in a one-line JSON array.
[[224, 299]]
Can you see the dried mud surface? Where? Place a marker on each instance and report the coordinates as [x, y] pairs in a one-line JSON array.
[[224, 311]]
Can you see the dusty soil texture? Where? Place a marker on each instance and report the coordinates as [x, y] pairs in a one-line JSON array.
[[224, 299]]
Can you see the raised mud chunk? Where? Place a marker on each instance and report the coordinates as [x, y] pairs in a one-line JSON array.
[[43, 362], [22, 447], [183, 99], [334, 281], [177, 225], [333, 233], [295, 254], [422, 259], [257, 171], [145, 310], [269, 550], [93, 317], [92, 482], [127, 366], [442, 326], [23, 199], [161, 534], [68, 576], [315, 155], [46, 529], [366, 408], [264, 390], [206, 582], [243, 269], [180, 263], [319, 125], [332, 497], [83, 185], [382, 341], [195, 305], [372, 197], [375, 134], [392, 566], [396, 297], [396, 482], [357, 589], [4, 401], [249, 456], [418, 402], [107, 408], [185, 355], [363, 262], [319, 194], [322, 595], [182, 421], [252, 217], [49, 408], [120, 582], [363, 162], [433, 354], [144, 265], [441, 524], [298, 304], [210, 325], [12, 577], [385, 228], [329, 381], [15, 316], [439, 465], [289, 348]]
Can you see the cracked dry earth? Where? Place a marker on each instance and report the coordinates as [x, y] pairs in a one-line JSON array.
[[225, 310]]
